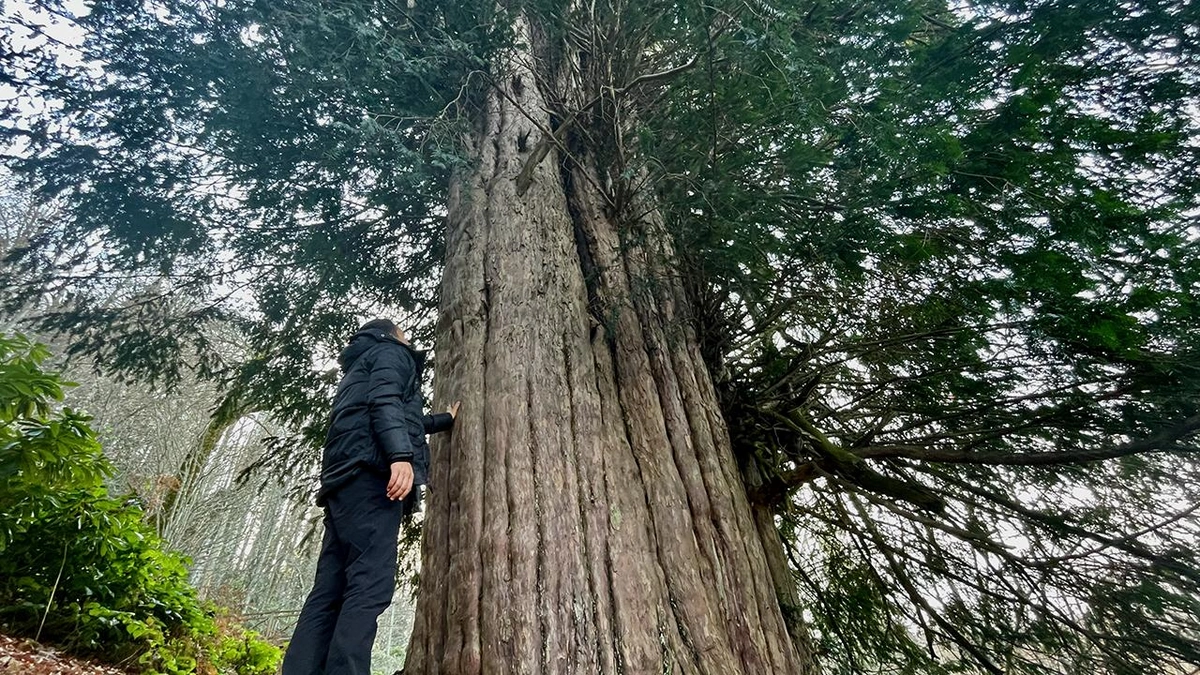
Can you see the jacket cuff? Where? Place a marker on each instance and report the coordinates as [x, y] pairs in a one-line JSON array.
[[438, 422]]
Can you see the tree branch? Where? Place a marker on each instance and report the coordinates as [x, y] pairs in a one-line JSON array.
[[557, 137], [917, 597], [1165, 441], [838, 460], [1052, 522]]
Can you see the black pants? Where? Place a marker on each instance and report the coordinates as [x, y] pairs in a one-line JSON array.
[[356, 575]]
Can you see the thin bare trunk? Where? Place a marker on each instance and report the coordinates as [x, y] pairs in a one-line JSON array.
[[187, 477]]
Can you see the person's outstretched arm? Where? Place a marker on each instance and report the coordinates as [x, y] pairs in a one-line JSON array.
[[439, 422]]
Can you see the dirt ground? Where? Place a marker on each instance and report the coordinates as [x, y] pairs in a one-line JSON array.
[[27, 656]]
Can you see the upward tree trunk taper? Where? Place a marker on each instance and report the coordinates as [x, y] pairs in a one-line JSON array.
[[587, 515]]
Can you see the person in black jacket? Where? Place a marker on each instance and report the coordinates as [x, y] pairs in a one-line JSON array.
[[375, 459]]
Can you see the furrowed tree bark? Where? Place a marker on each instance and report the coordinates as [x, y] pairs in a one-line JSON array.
[[586, 515]]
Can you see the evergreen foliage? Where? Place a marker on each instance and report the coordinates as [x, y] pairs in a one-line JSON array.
[[943, 258]]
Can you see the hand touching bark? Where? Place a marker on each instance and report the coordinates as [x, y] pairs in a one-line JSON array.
[[453, 409]]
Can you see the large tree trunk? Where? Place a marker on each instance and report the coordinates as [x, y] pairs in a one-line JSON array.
[[587, 515]]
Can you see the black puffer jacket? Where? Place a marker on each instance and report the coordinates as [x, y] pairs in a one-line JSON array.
[[378, 413]]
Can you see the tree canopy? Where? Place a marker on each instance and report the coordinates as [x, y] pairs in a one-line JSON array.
[[942, 257]]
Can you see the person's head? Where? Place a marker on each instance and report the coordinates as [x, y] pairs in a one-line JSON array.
[[387, 326]]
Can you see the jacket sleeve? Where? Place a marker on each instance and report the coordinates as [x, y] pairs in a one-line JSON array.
[[438, 423], [390, 375]]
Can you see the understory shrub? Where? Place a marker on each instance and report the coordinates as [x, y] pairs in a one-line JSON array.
[[81, 568]]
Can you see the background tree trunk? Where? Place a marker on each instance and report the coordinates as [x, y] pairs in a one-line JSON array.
[[229, 409], [587, 515]]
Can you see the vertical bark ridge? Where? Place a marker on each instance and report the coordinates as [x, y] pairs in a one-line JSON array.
[[635, 574], [736, 505], [586, 426], [634, 401], [749, 607], [784, 584], [495, 627], [464, 648], [687, 378], [643, 407]]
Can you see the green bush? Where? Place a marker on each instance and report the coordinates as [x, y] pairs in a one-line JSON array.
[[80, 568]]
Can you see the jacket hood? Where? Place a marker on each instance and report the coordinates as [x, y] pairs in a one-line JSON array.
[[363, 340]]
